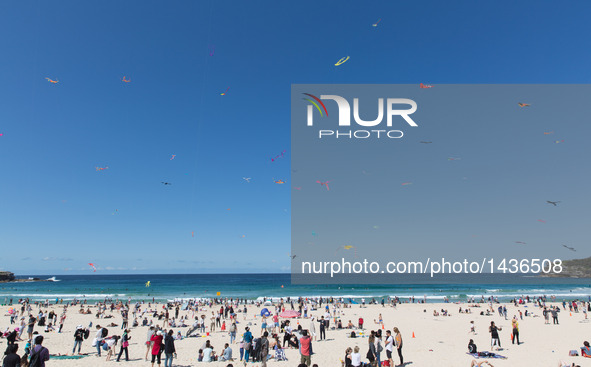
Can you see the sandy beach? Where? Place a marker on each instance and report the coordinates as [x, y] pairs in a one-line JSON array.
[[428, 340]]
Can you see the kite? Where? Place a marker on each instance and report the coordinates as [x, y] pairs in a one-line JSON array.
[[292, 256], [558, 141], [125, 80], [523, 243], [314, 234], [279, 156], [148, 283], [223, 94], [53, 81], [93, 267], [171, 158], [376, 23], [211, 50], [548, 132], [555, 203], [423, 86], [541, 220], [165, 183], [102, 168], [1, 134], [115, 212], [426, 142], [570, 248], [342, 61], [324, 184], [523, 104], [242, 236], [193, 234], [218, 294], [280, 182], [298, 188], [406, 183], [247, 179], [453, 159], [376, 227]]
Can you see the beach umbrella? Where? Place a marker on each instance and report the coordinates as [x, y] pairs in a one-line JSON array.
[[265, 312], [289, 314]]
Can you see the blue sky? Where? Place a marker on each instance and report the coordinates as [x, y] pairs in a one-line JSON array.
[[56, 209]]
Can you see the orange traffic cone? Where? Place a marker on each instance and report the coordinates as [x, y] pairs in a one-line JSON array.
[[413, 334], [383, 327], [571, 313]]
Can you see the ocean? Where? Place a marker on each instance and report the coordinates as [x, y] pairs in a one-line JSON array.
[[257, 286]]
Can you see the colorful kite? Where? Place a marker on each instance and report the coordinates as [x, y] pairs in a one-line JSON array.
[[406, 183], [324, 184], [523, 243], [342, 61], [425, 86], [102, 168], [211, 50], [523, 104], [548, 132], [453, 159], [279, 156], [223, 94], [541, 220], [376, 23], [115, 212], [280, 182], [125, 80], [93, 267], [247, 179], [193, 234], [298, 188], [558, 141], [148, 284], [53, 81]]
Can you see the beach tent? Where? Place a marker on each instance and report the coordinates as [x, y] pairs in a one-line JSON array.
[[289, 314], [265, 312], [268, 303]]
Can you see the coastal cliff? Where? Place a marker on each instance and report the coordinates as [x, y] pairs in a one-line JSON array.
[[6, 276], [578, 268]]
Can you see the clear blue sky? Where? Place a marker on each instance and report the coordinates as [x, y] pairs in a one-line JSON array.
[[56, 209]]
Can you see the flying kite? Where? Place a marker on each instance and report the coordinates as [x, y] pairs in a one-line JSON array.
[[423, 86], [548, 132], [523, 243], [211, 50], [558, 141], [193, 234], [280, 182], [148, 284], [555, 203], [314, 234], [165, 183], [298, 188], [376, 23], [223, 94], [324, 184], [247, 179], [406, 183], [279, 156], [541, 220], [570, 248], [53, 81], [93, 267], [291, 256], [1, 134], [453, 159], [115, 212], [523, 104], [342, 61], [171, 158], [125, 80], [426, 142], [102, 168]]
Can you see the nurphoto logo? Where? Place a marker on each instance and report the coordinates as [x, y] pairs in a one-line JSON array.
[[344, 114]]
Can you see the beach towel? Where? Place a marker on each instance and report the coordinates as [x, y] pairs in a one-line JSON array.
[[486, 355], [67, 357]]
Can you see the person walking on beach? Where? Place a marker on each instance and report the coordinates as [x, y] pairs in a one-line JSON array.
[[31, 326], [149, 340], [398, 341], [371, 353], [305, 349], [124, 345], [169, 349], [494, 334], [78, 338], [515, 335], [247, 336], [389, 347], [232, 331]]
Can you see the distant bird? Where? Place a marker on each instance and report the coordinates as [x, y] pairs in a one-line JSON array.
[[523, 104], [555, 203], [523, 243], [165, 183], [426, 142], [52, 81], [570, 248]]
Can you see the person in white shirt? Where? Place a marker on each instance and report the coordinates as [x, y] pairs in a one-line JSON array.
[[356, 357], [389, 346]]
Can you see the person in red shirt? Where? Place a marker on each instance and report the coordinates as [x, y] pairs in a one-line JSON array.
[[157, 342], [361, 322], [306, 348]]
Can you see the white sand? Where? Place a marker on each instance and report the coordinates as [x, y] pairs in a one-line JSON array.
[[439, 341]]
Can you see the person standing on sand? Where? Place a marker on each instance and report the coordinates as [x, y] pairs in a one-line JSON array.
[[305, 349], [494, 334], [149, 340], [39, 354], [78, 338], [124, 345], [264, 349], [398, 340], [389, 347], [169, 349], [31, 326], [312, 329], [156, 347], [515, 326], [232, 331]]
